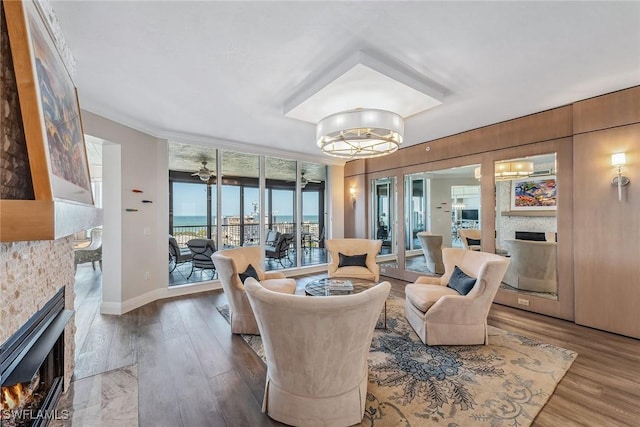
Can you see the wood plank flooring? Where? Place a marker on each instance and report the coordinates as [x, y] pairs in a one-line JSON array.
[[193, 372]]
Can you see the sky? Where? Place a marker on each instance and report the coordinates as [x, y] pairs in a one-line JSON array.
[[191, 200]]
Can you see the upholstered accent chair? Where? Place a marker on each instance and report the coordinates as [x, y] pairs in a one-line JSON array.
[[442, 316], [432, 249], [316, 350], [230, 263], [473, 234], [533, 266], [91, 253], [351, 247]]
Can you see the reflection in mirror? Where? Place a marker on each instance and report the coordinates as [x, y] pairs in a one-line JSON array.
[[383, 217], [526, 225], [465, 216], [437, 205]]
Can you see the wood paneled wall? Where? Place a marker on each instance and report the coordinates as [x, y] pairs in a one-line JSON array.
[[607, 231], [544, 126], [593, 230]]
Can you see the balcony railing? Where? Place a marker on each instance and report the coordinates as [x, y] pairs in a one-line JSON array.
[[231, 234]]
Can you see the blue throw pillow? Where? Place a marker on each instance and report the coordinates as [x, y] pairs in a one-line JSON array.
[[352, 261], [461, 282], [249, 272]]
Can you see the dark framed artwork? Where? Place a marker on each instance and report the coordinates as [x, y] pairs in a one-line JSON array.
[[49, 106], [534, 193]]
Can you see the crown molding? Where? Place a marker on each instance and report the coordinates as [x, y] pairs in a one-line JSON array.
[[212, 141]]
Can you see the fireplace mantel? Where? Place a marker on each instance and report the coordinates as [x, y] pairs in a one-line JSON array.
[[27, 220]]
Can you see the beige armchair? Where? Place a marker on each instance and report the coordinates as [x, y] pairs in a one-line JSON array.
[[533, 266], [229, 264], [432, 249], [316, 350], [442, 316], [352, 247], [470, 233]]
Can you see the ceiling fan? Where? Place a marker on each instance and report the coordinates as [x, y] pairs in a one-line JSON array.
[[304, 181], [203, 173]]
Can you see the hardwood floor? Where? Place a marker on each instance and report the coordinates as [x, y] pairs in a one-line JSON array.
[[193, 372]]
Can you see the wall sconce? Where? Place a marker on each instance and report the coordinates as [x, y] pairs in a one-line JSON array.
[[352, 191], [618, 160]]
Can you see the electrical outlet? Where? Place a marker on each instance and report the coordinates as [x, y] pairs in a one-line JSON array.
[[523, 301], [147, 276]]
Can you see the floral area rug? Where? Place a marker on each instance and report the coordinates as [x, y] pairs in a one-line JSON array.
[[505, 383]]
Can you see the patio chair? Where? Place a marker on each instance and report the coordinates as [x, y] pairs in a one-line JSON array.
[[177, 255], [319, 241], [280, 250], [271, 238], [201, 251]]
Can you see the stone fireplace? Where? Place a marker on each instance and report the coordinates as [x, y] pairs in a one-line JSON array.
[[32, 367], [33, 270], [31, 274]]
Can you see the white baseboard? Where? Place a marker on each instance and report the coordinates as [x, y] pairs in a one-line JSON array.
[[111, 308], [133, 303], [156, 294], [123, 307], [174, 291]]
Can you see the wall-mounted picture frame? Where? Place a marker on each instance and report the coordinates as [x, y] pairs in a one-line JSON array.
[[534, 193], [49, 106]]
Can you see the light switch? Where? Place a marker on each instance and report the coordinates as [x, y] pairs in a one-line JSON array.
[[147, 231]]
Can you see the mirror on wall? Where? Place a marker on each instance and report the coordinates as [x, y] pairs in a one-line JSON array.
[[437, 205], [383, 221], [526, 224]]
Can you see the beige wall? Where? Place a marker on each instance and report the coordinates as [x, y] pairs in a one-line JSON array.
[[135, 243]]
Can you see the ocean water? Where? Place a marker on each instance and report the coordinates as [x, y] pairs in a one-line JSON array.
[[202, 220]]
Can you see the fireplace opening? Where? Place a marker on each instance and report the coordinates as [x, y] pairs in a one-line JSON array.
[[32, 367]]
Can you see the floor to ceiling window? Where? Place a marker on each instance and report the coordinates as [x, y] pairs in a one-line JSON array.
[[281, 245], [313, 183], [294, 223], [192, 212], [240, 199]]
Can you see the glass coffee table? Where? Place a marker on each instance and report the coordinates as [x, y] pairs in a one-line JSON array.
[[332, 287]]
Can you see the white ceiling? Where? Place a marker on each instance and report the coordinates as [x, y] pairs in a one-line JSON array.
[[361, 82], [224, 71]]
